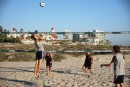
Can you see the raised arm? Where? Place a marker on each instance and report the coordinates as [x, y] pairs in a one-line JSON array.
[[51, 58], [37, 37]]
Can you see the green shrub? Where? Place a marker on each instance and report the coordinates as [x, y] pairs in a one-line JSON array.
[[75, 54], [58, 57], [19, 57]]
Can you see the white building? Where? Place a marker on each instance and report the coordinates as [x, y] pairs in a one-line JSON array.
[[13, 35], [67, 35], [48, 37], [98, 37]]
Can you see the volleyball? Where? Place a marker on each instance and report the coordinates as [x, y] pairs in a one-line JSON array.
[[42, 4]]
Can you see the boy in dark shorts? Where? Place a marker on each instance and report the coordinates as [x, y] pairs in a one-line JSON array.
[[88, 63], [119, 67], [49, 61]]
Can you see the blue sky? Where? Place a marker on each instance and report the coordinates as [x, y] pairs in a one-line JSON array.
[[75, 15]]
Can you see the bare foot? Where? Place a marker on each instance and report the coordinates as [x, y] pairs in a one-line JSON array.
[[48, 75], [38, 75], [35, 75]]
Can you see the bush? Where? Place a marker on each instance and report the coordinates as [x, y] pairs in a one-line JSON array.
[[5, 39], [19, 57], [58, 57], [75, 54]]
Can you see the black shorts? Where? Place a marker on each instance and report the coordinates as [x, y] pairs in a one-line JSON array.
[[87, 66], [119, 79], [48, 64], [39, 55]]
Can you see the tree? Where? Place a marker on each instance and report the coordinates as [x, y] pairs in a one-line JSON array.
[[5, 30], [21, 30], [1, 29], [14, 29], [36, 32], [18, 40], [22, 36], [28, 37]]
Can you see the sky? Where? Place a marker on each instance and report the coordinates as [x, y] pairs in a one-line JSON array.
[[74, 15]]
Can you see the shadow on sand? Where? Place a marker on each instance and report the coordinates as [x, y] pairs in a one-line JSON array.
[[26, 83], [16, 69], [66, 72]]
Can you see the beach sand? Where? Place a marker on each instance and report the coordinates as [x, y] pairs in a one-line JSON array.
[[67, 73]]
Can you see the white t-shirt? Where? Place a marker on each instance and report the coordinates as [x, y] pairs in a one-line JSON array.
[[118, 62], [39, 46]]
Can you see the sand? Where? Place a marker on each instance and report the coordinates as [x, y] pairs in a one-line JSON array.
[[67, 73]]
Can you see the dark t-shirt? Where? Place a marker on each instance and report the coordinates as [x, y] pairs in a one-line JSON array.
[[88, 60], [48, 59]]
